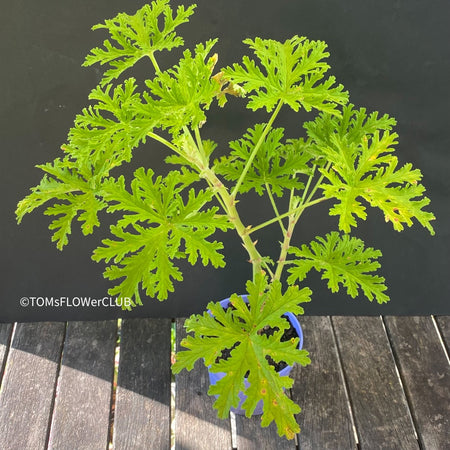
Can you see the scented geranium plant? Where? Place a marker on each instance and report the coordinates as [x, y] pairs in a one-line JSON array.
[[344, 156]]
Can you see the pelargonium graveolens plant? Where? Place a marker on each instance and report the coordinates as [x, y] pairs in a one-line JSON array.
[[345, 158]]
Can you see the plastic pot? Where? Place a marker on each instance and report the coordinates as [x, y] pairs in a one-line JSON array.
[[215, 377]]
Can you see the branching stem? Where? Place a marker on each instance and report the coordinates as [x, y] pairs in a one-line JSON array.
[[287, 214], [228, 202], [308, 184], [284, 248], [199, 140], [256, 148], [233, 217], [294, 216], [319, 182]]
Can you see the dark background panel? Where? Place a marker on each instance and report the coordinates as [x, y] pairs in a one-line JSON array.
[[393, 56]]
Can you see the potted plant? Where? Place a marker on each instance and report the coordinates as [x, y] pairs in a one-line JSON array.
[[345, 157]]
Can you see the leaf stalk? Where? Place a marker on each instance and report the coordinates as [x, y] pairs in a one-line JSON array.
[[258, 145]]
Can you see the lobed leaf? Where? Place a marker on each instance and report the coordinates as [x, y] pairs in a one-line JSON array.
[[359, 148], [137, 36], [105, 133], [180, 96], [239, 329], [276, 165], [342, 260], [158, 226], [291, 72], [74, 195]]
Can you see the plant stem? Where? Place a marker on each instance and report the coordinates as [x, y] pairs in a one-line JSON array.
[[319, 181], [308, 184], [155, 64], [233, 216], [228, 202], [274, 206], [255, 150], [287, 214], [285, 247], [167, 143], [293, 219], [199, 141]]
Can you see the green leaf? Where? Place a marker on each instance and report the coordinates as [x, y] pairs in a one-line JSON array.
[[73, 194], [239, 329], [276, 165], [88, 203], [342, 260], [292, 72], [62, 224], [137, 36], [158, 226], [181, 95], [106, 132], [142, 259], [359, 148]]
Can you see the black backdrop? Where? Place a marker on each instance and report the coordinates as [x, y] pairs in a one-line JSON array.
[[393, 56]]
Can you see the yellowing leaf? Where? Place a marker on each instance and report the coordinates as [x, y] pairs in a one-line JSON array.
[[240, 330], [358, 148]]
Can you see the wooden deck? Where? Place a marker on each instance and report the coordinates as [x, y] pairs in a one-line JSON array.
[[375, 383]]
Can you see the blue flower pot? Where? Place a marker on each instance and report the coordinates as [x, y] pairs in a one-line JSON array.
[[215, 377]]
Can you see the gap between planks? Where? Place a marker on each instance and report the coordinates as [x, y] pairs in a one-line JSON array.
[[400, 378], [440, 333], [7, 332], [345, 383], [56, 388]]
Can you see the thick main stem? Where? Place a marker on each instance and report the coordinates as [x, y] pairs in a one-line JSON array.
[[234, 218], [228, 202]]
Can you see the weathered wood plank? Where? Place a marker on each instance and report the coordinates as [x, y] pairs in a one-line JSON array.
[[5, 337], [426, 377], [444, 327], [379, 404], [29, 384], [142, 411], [196, 423], [319, 389], [250, 435], [83, 405]]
